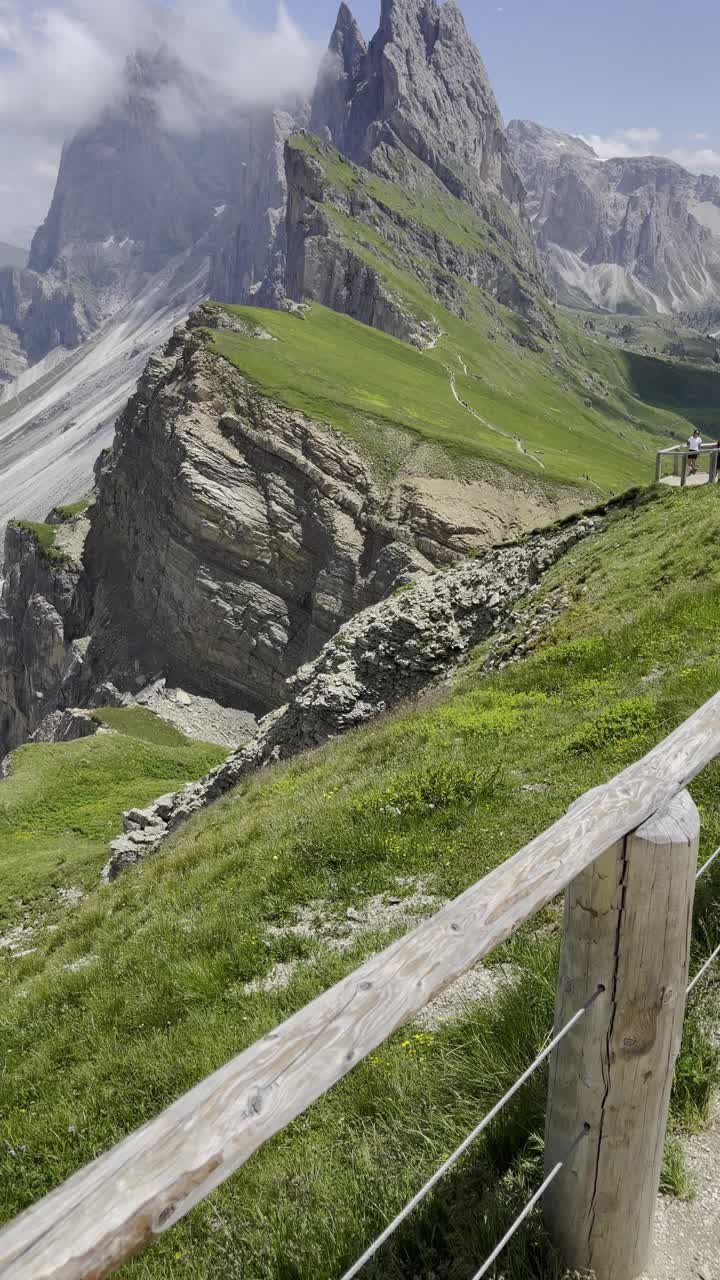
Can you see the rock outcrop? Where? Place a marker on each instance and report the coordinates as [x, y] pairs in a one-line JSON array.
[[420, 82], [623, 234], [415, 107], [230, 537], [43, 612], [248, 264], [326, 265], [384, 655]]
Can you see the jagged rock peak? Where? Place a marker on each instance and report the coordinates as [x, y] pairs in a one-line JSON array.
[[348, 42], [421, 82]]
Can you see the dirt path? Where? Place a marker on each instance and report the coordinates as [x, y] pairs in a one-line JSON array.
[[687, 1232], [498, 432]]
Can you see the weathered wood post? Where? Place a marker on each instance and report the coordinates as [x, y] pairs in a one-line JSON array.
[[683, 471], [714, 459], [658, 467], [627, 926]]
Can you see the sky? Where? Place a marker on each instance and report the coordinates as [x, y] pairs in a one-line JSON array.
[[630, 76]]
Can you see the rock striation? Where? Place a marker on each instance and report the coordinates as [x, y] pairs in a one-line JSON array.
[[43, 611], [420, 82], [414, 107], [623, 234], [384, 655]]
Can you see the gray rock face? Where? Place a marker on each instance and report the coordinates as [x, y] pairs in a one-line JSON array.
[[414, 107], [67, 726], [420, 81], [231, 536], [249, 263], [388, 653], [43, 608], [133, 196], [620, 234], [229, 539], [322, 266]]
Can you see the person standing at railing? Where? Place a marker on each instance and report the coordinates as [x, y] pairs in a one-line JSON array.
[[694, 445]]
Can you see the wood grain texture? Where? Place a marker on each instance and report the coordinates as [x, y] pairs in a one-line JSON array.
[[120, 1202], [628, 921]]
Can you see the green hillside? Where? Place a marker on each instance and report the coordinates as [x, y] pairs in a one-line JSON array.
[[151, 983], [63, 803], [569, 409]]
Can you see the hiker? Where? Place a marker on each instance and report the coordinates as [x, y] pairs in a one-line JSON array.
[[694, 443]]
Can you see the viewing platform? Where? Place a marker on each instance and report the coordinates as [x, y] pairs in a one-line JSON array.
[[708, 466]]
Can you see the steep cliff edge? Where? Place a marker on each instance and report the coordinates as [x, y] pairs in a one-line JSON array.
[[44, 608], [232, 533], [415, 110], [387, 653]]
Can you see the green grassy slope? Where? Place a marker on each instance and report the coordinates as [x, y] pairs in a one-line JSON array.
[[433, 796], [578, 411], [63, 803]]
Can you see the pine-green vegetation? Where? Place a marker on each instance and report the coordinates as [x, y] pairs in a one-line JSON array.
[[176, 956], [575, 410]]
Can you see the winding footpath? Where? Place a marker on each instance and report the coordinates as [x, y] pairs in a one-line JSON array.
[[497, 430]]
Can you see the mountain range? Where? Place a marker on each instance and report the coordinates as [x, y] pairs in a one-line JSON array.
[[635, 235]]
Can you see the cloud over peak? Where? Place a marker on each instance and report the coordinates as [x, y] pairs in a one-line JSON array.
[[60, 66]]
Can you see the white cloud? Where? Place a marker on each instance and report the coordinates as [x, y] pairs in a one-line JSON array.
[[629, 143], [623, 144], [701, 160], [62, 65]]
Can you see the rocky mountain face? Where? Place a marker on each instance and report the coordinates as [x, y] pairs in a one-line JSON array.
[[624, 235], [133, 195], [230, 538], [420, 82], [414, 108]]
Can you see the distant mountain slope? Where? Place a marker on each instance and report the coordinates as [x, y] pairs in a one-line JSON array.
[[131, 196], [638, 234], [12, 256]]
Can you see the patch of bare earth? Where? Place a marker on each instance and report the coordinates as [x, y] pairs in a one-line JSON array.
[[687, 1232], [381, 914]]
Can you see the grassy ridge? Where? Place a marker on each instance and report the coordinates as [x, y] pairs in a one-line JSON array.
[[438, 795], [63, 803]]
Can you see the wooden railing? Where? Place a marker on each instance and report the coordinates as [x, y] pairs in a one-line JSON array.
[[680, 454], [627, 929]]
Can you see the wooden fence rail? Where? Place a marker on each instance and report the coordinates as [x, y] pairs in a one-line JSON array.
[[122, 1201]]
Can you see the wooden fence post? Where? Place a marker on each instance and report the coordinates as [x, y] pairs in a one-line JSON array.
[[658, 467], [628, 922], [683, 471]]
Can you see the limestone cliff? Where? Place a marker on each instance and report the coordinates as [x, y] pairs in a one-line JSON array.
[[43, 612], [626, 234], [420, 82], [333, 227], [229, 539]]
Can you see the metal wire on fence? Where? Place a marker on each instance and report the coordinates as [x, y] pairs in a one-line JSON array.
[[708, 864], [701, 973], [486, 1120], [531, 1203]]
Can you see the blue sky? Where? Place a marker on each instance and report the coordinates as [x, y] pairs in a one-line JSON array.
[[631, 76]]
